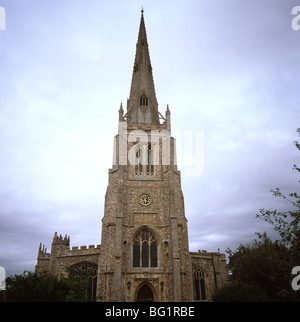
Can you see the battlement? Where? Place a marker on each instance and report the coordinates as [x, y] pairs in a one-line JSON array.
[[80, 250], [59, 240], [61, 247], [62, 254], [84, 248], [208, 255]]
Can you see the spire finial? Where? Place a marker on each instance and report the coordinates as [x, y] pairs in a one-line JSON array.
[[142, 11]]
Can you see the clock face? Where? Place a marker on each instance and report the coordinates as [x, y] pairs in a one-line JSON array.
[[145, 200]]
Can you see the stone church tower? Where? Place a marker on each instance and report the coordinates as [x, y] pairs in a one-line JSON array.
[[144, 252], [144, 247]]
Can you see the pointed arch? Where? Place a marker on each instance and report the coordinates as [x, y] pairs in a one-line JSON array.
[[200, 281], [145, 292], [150, 160], [143, 100], [87, 271], [138, 166], [145, 248]]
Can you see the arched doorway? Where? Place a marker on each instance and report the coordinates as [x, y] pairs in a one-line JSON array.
[[145, 294]]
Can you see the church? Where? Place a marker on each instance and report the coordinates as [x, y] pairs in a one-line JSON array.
[[144, 253]]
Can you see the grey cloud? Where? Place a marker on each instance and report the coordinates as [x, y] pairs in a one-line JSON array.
[[229, 68]]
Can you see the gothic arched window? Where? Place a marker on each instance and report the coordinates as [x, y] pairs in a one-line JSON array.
[[144, 249], [143, 100], [144, 154], [86, 271], [199, 278]]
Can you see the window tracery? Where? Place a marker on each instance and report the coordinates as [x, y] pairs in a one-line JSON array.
[[145, 249], [86, 271], [199, 278], [144, 100]]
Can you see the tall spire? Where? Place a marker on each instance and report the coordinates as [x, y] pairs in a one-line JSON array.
[[142, 105]]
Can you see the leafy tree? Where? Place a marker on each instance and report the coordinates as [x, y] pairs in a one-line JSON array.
[[31, 287], [77, 289], [266, 265], [240, 292], [262, 270], [286, 223]]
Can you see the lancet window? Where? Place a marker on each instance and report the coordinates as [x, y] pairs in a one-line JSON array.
[[143, 100], [138, 168], [199, 278], [150, 161], [144, 155]]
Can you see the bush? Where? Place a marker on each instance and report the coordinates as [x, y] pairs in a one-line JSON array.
[[31, 287], [240, 292]]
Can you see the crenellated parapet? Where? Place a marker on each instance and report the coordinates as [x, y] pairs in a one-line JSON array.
[[85, 248], [81, 250], [63, 256]]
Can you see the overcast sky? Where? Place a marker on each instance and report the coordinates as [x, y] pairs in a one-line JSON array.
[[229, 70]]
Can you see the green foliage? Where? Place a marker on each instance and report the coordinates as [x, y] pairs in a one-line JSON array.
[[240, 292], [77, 290], [264, 264], [30, 287], [286, 223], [262, 270]]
